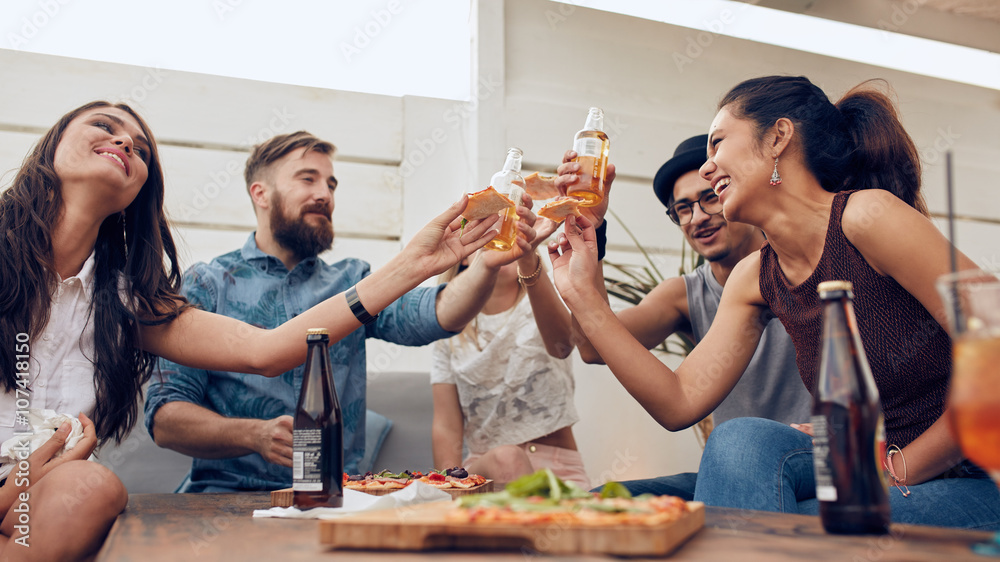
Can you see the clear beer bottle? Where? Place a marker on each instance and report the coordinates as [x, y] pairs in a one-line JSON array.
[[318, 449], [591, 145], [848, 427], [508, 182]]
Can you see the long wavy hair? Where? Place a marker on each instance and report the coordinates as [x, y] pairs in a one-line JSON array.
[[136, 276], [857, 143]]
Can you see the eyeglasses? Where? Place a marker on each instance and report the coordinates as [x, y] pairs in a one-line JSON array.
[[682, 213]]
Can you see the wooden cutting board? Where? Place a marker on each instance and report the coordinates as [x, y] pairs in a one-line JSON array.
[[425, 527], [283, 497]]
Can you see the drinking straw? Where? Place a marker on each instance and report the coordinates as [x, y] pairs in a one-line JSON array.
[[959, 320], [951, 212]]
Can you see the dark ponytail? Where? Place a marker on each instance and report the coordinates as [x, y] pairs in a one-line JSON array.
[[885, 156], [859, 143]]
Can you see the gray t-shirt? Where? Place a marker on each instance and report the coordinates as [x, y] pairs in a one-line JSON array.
[[770, 387]]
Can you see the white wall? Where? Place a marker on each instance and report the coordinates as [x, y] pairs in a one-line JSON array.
[[538, 66]]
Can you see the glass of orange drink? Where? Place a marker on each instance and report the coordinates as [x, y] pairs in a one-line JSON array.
[[972, 305]]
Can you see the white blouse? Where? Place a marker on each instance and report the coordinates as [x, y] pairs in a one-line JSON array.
[[512, 391], [60, 370]]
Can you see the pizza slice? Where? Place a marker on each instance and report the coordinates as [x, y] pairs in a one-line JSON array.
[[485, 203], [540, 187], [558, 210]]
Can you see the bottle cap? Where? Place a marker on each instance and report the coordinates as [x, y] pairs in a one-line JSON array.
[[317, 332], [828, 286]]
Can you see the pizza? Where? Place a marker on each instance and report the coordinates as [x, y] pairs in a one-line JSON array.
[[540, 187], [485, 203], [558, 210], [542, 498], [454, 479]]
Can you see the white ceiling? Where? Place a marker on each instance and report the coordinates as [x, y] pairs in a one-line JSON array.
[[970, 23]]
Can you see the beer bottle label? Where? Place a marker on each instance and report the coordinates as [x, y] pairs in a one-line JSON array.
[[825, 490], [588, 147], [307, 446]]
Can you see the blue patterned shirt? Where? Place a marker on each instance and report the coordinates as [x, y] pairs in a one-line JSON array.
[[256, 288]]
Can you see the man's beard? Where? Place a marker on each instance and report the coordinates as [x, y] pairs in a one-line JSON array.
[[298, 237]]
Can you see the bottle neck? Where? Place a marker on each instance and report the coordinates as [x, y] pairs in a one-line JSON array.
[[512, 163], [595, 121]]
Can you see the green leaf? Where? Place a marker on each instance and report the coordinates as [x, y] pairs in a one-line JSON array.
[[615, 490]]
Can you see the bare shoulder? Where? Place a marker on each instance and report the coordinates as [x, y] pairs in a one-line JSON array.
[[885, 229], [743, 285], [873, 212]]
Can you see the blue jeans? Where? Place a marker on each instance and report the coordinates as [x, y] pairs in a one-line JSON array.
[[680, 485], [754, 463]]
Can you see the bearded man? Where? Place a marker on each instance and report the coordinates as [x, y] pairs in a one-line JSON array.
[[238, 427]]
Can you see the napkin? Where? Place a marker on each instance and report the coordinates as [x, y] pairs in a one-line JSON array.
[[355, 501], [44, 424]]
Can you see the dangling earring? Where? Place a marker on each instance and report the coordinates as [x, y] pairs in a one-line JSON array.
[[775, 177]]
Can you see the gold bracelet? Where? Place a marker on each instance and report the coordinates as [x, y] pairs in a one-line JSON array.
[[533, 277], [899, 483]]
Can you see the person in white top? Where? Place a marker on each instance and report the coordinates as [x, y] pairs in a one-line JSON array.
[[88, 300], [503, 388]]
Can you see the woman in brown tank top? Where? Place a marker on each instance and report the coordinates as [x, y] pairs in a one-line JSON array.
[[836, 189]]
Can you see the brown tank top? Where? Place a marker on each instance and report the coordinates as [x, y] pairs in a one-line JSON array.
[[909, 352]]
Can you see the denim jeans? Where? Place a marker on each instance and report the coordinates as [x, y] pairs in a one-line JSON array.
[[754, 463], [680, 485]]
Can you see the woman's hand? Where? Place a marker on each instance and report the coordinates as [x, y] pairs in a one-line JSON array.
[[445, 242], [524, 244], [806, 428], [574, 259], [569, 174], [41, 460]]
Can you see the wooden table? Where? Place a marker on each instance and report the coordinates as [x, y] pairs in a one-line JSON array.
[[221, 527]]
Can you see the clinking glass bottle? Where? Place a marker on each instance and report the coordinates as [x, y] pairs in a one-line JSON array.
[[591, 146], [508, 182], [318, 431], [848, 427]]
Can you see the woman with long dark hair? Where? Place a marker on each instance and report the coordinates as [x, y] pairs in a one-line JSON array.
[[88, 299], [836, 189]]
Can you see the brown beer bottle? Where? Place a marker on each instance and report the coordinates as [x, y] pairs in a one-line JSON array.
[[849, 435], [318, 432]]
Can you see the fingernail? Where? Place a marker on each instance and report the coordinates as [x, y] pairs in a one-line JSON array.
[[64, 428], [795, 425]]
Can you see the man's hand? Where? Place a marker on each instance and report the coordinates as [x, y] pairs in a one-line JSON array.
[[274, 440], [569, 174]]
